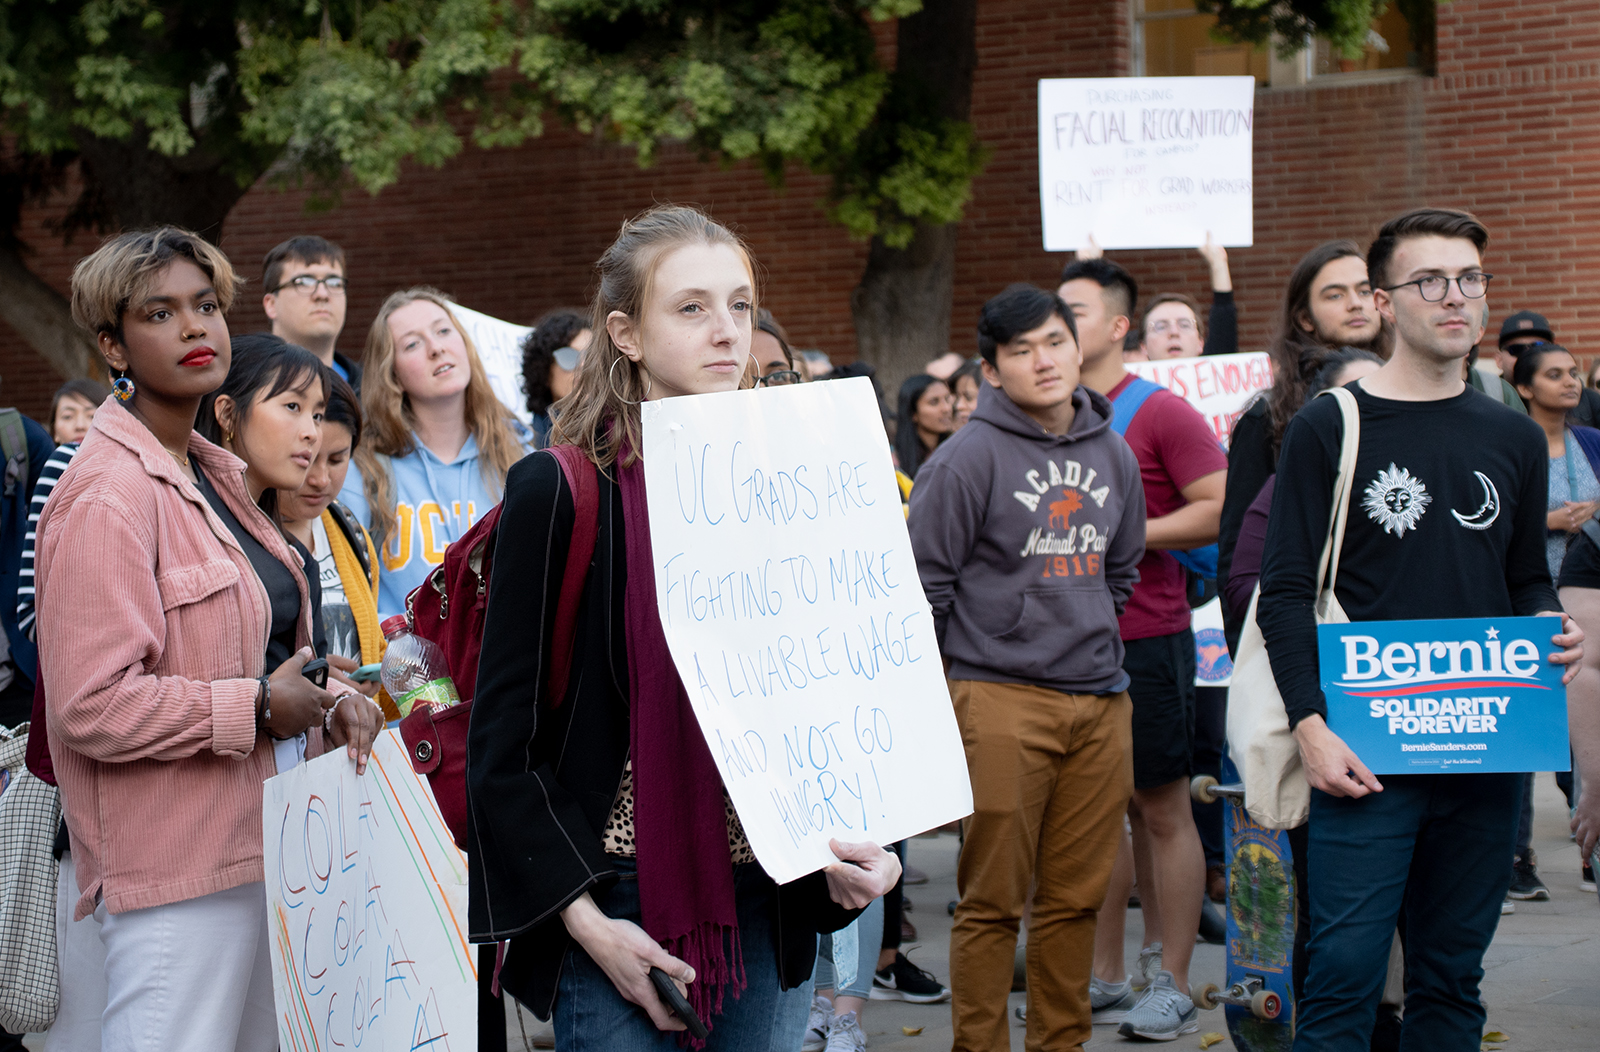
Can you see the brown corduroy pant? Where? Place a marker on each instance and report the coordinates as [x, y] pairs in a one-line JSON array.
[[1051, 776]]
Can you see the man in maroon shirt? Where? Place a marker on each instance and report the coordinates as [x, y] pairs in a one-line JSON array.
[[1184, 474]]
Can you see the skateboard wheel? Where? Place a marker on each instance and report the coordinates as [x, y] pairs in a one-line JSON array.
[[1201, 786], [1205, 998], [1265, 1005]]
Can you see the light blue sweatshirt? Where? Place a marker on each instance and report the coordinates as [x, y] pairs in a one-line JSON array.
[[435, 504]]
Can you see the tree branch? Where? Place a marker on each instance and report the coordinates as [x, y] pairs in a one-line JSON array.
[[42, 317]]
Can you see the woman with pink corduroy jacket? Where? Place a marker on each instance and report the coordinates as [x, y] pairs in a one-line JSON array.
[[152, 630]]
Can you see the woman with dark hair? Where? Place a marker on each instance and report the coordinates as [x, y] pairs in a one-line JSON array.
[[924, 418], [1548, 379], [1327, 305], [73, 409], [268, 413], [346, 559], [550, 357], [964, 387], [161, 708]]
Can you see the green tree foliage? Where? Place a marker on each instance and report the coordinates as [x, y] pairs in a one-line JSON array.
[[1343, 23], [337, 91]]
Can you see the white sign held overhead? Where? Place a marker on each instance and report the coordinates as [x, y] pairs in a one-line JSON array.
[[1146, 162], [791, 603]]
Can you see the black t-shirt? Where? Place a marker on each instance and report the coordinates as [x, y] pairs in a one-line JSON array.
[[1581, 567], [1447, 520], [282, 590]]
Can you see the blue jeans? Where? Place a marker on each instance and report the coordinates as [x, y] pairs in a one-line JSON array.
[[869, 927], [1434, 846], [591, 1016]]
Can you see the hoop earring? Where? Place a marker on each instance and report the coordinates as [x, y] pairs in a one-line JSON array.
[[649, 381], [122, 387], [756, 382]]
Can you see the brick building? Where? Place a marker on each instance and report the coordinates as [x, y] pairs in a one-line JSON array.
[[1505, 123]]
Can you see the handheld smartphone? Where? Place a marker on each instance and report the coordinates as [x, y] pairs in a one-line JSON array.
[[316, 671], [678, 1004], [367, 673]]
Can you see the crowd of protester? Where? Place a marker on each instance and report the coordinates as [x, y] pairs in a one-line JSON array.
[[236, 506]]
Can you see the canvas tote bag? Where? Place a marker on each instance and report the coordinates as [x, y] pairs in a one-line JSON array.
[[1276, 792]]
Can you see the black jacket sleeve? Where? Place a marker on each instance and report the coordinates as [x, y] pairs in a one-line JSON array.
[[1222, 325], [1250, 464], [1297, 530], [533, 849]]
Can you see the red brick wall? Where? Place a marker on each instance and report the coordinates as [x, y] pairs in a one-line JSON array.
[[1507, 129]]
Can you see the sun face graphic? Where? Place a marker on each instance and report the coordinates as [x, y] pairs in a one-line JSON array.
[[1395, 500]]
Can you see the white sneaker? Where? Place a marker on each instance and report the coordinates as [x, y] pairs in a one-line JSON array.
[[845, 1034], [817, 1025], [1148, 968], [1110, 1002], [1162, 1014], [1507, 906]]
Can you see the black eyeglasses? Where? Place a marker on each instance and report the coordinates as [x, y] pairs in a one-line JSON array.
[[781, 378], [308, 283], [1434, 288]]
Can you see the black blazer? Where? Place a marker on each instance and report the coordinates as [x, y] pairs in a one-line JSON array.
[[541, 779]]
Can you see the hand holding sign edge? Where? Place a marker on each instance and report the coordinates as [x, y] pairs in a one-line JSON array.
[[1330, 764]]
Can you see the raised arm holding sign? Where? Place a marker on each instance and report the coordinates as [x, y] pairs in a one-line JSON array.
[[1146, 162]]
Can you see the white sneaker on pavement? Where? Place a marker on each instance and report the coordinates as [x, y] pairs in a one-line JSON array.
[[845, 1034], [817, 1025], [1162, 1014], [1110, 1002]]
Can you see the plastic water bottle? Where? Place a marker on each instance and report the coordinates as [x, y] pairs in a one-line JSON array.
[[414, 670]]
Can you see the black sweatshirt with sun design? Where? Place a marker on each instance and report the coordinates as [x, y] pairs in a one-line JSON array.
[[1447, 520]]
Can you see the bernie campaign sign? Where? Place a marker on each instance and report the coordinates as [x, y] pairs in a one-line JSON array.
[[1467, 695]]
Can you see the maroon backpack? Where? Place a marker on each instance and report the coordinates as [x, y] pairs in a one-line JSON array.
[[449, 608]]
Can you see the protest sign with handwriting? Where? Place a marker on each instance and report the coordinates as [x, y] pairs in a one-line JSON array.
[[1146, 162], [1219, 386], [792, 607], [367, 909]]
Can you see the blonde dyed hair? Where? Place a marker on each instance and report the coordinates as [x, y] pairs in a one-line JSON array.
[[390, 427], [118, 273], [601, 414]]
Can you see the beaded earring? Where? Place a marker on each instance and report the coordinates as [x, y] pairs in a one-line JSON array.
[[123, 388]]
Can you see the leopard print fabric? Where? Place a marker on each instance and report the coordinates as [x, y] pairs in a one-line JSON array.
[[618, 837]]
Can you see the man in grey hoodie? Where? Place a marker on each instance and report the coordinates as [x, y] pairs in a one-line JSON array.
[[1027, 525]]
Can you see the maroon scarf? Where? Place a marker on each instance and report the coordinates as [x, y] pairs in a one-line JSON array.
[[680, 824]]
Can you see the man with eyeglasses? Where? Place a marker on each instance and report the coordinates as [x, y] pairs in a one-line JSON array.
[[305, 298], [1447, 520]]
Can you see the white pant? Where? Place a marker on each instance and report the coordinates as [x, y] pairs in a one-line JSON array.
[[82, 961], [191, 976]]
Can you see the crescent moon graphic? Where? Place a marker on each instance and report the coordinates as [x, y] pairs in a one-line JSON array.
[[1489, 511]]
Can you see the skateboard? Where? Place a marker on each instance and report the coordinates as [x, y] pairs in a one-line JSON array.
[[1259, 997]]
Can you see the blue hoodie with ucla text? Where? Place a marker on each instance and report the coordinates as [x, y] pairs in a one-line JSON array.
[[1028, 545], [435, 503]]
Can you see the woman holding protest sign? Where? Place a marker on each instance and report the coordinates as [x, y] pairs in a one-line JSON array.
[[160, 720], [603, 842]]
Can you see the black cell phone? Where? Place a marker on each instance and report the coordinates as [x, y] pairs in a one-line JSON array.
[[316, 670], [678, 1004]]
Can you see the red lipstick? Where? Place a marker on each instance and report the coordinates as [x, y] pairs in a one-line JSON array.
[[198, 358]]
